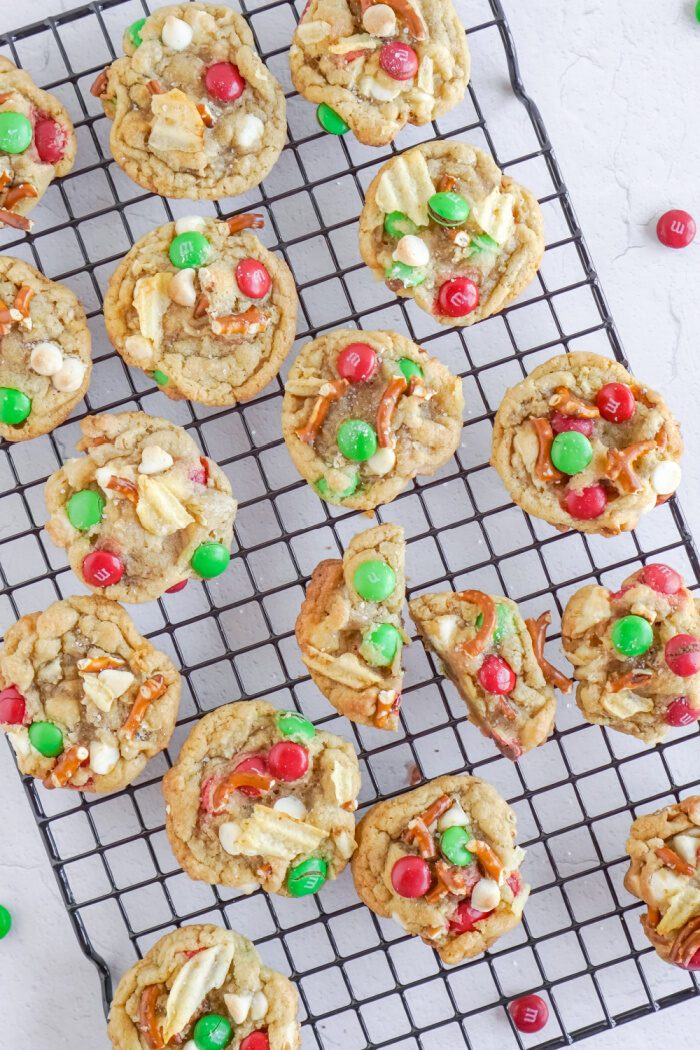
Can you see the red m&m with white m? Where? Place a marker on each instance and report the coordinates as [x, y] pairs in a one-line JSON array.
[[615, 402], [398, 60], [676, 228], [458, 297], [102, 568], [661, 578], [252, 278], [679, 713], [357, 362]]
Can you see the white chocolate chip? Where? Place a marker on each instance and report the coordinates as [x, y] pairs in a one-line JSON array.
[[259, 1006], [379, 20], [486, 895], [103, 757], [181, 288], [115, 681], [189, 223], [229, 832], [687, 846], [412, 251], [46, 359], [382, 461], [102, 477], [154, 460], [292, 806], [248, 131], [140, 349], [238, 1005], [454, 817], [70, 376], [176, 33], [666, 477]]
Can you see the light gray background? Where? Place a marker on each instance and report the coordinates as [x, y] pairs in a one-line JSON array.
[[617, 83]]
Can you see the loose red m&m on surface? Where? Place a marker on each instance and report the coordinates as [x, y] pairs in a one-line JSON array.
[[586, 503], [458, 297], [398, 60], [661, 578], [357, 362], [50, 140], [102, 568], [13, 706], [678, 713], [530, 1013], [223, 81], [252, 764], [252, 278], [466, 917], [287, 760], [616, 402], [676, 228], [682, 655], [255, 1041], [411, 877], [561, 423], [496, 676]]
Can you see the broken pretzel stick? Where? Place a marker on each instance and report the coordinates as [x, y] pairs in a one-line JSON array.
[[95, 664], [487, 608], [329, 393], [18, 222], [387, 406], [240, 324], [100, 83], [123, 487], [153, 688], [620, 465], [487, 857], [544, 468], [537, 629], [19, 193], [148, 1022], [155, 87], [67, 766], [671, 859], [23, 299], [248, 221], [387, 709], [205, 114], [569, 404], [629, 680], [200, 307]]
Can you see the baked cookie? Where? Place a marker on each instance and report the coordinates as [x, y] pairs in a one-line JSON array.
[[442, 861], [45, 361], [205, 987], [496, 661], [196, 112], [350, 628], [205, 308], [443, 225], [259, 797], [664, 873], [85, 700], [365, 412], [143, 510], [378, 66], [636, 653], [37, 144], [582, 445]]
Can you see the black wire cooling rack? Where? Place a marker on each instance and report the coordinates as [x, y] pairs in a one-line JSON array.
[[362, 981]]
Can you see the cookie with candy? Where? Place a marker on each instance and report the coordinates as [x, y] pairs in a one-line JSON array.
[[260, 797], [204, 308], [636, 653], [496, 661]]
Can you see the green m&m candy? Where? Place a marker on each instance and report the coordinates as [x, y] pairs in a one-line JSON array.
[[448, 209], [481, 242], [190, 249], [47, 738], [697, 10], [307, 877], [212, 1032], [15, 406], [409, 368], [357, 440], [15, 132], [210, 560], [571, 452], [374, 580], [453, 845], [632, 635], [331, 122], [5, 921], [398, 225], [326, 492], [161, 378], [504, 623], [294, 726], [380, 645], [410, 276], [84, 509], [134, 31]]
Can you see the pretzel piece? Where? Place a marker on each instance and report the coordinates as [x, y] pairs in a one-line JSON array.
[[537, 629], [544, 468], [99, 83], [387, 406], [487, 857], [487, 608], [19, 193], [387, 709], [95, 664], [124, 488], [153, 688], [620, 465], [18, 222], [148, 1022], [330, 392], [249, 221], [240, 324], [67, 766], [629, 680], [671, 859], [569, 404]]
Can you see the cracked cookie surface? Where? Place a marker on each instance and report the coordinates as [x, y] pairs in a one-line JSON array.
[[259, 797], [208, 976], [216, 331], [381, 66], [86, 701], [443, 225], [664, 873], [352, 642], [365, 412], [42, 140], [487, 651], [142, 510], [636, 653], [45, 361], [442, 862], [195, 111], [583, 445]]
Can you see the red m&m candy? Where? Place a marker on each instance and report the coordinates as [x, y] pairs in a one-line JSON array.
[[102, 568], [13, 706], [694, 962], [200, 474], [177, 587], [287, 760], [530, 1013], [398, 60], [411, 877], [616, 402], [255, 1041], [466, 917], [252, 278], [50, 140], [678, 713], [223, 81], [676, 229], [252, 764], [458, 297], [682, 655], [661, 578], [561, 423], [586, 503], [496, 676], [357, 362]]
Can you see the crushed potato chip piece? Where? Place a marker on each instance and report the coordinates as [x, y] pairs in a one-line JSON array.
[[495, 215], [159, 511], [683, 907], [177, 123], [272, 833], [407, 186], [151, 300], [199, 976]]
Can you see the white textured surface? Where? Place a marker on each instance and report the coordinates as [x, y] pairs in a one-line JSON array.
[[619, 91]]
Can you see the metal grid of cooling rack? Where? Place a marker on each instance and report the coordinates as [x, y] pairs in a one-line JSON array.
[[362, 981]]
